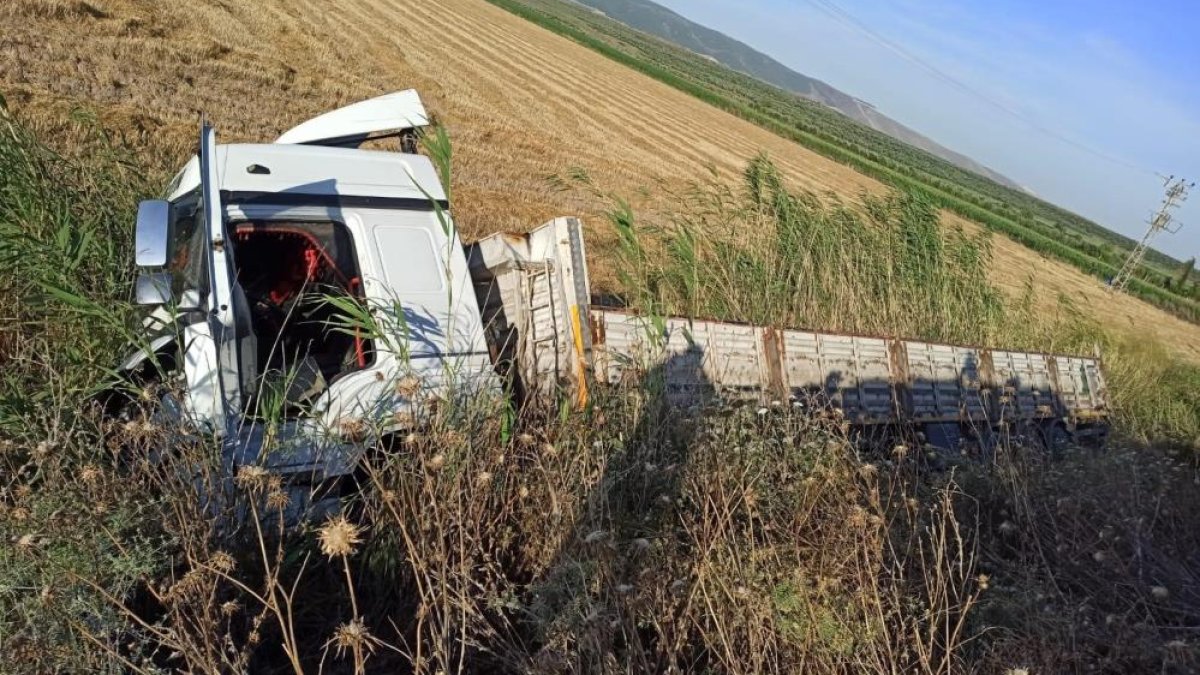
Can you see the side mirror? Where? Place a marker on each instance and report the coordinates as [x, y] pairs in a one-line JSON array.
[[153, 235], [153, 288]]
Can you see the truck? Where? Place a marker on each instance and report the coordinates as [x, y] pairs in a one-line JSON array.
[[311, 296]]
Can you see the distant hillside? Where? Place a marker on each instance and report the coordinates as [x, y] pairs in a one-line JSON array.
[[655, 19]]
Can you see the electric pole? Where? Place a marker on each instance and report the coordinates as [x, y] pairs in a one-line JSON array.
[[1177, 193]]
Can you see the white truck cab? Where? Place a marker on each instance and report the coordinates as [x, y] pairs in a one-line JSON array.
[[314, 284]]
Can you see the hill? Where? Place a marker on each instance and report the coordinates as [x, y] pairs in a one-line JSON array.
[[657, 20]]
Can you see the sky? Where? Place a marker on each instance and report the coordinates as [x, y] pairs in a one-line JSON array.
[[1083, 103]]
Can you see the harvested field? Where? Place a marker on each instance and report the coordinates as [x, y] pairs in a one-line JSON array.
[[1014, 264], [522, 104]]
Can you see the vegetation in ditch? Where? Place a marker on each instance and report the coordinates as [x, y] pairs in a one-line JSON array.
[[770, 255], [631, 537]]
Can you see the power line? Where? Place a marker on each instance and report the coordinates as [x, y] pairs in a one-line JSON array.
[[834, 11]]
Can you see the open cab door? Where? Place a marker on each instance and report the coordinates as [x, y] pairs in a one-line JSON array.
[[220, 356]]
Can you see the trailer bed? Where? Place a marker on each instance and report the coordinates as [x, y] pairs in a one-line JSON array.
[[534, 295], [866, 380]]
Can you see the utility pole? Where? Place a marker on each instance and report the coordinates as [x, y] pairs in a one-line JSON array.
[[1177, 193]]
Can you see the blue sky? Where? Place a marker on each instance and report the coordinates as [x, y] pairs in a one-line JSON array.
[[1119, 78]]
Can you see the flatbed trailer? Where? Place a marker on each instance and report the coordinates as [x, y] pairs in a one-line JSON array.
[[534, 296]]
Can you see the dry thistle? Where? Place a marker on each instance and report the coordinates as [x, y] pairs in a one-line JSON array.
[[353, 428], [408, 386], [858, 518], [42, 451], [222, 562], [436, 462], [189, 587], [251, 476], [353, 636], [339, 537], [90, 474], [278, 500]]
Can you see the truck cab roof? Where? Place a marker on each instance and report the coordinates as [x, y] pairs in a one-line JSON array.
[[318, 161], [273, 172]]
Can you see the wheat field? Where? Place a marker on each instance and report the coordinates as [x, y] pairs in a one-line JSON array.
[[521, 103]]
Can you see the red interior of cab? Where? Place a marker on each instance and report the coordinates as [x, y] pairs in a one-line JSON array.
[[280, 262]]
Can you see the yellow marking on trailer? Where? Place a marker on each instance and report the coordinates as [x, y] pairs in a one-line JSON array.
[[580, 371]]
